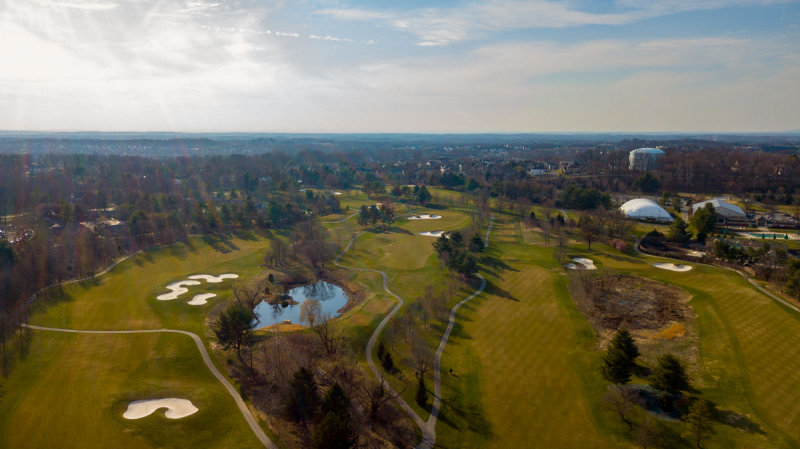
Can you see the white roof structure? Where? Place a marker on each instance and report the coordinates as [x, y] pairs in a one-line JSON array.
[[721, 207], [644, 209]]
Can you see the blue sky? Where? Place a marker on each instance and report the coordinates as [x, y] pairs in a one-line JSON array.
[[388, 66]]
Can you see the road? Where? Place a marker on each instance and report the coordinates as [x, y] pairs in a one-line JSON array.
[[251, 421]]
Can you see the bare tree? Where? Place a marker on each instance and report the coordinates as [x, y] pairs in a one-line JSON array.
[[378, 394], [248, 295], [322, 324], [277, 253], [422, 355]]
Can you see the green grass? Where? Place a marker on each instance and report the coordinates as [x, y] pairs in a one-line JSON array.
[[73, 389], [749, 350], [125, 298], [516, 379]]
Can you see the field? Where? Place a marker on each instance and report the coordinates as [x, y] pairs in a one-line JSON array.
[[521, 368], [72, 389]]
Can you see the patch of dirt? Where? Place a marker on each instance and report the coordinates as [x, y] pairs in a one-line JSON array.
[[649, 309]]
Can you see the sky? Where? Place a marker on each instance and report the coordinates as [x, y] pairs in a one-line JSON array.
[[400, 66]]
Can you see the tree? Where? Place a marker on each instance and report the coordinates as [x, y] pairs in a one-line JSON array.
[[303, 397], [476, 243], [793, 278], [670, 375], [423, 196], [322, 324], [310, 312], [616, 366], [647, 183], [234, 327], [677, 231], [422, 355], [387, 362], [588, 229], [624, 341], [421, 398], [700, 420], [335, 430], [703, 221]]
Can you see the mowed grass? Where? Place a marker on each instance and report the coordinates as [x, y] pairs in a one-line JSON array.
[[73, 389], [749, 348], [411, 265], [515, 382], [125, 298]]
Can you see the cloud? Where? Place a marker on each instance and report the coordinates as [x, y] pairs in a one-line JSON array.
[[80, 5], [443, 26]]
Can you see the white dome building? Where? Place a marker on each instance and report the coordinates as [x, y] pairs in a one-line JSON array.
[[644, 209]]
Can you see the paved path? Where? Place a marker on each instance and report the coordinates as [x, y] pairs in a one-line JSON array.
[[341, 220], [428, 427], [251, 421]]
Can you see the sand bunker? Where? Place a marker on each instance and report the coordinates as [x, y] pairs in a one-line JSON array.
[[424, 217], [432, 233], [571, 266], [176, 408], [214, 279], [177, 289], [588, 264], [199, 300], [672, 267], [337, 193]]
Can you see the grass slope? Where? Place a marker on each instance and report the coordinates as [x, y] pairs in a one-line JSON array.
[[515, 381]]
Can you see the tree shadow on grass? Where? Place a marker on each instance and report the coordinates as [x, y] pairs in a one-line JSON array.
[[400, 230], [219, 243], [494, 266], [461, 417], [245, 235], [737, 421], [494, 289]]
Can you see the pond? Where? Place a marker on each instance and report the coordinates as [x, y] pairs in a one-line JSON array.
[[331, 298]]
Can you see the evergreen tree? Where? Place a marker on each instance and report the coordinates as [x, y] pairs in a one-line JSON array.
[[422, 393], [476, 243], [335, 430], [423, 196], [677, 231], [234, 327], [616, 366], [303, 396], [624, 341], [670, 375], [387, 362]]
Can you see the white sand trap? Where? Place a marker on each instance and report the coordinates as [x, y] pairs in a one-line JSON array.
[[424, 217], [199, 300], [337, 193], [214, 279], [176, 408], [696, 253], [432, 233], [672, 267], [588, 264], [571, 266], [177, 289]]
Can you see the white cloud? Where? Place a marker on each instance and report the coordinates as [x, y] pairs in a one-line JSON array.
[[442, 26]]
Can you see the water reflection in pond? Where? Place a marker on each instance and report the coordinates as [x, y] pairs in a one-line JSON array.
[[331, 298]]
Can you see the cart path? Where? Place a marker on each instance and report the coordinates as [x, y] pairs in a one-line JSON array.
[[428, 427], [251, 421]]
